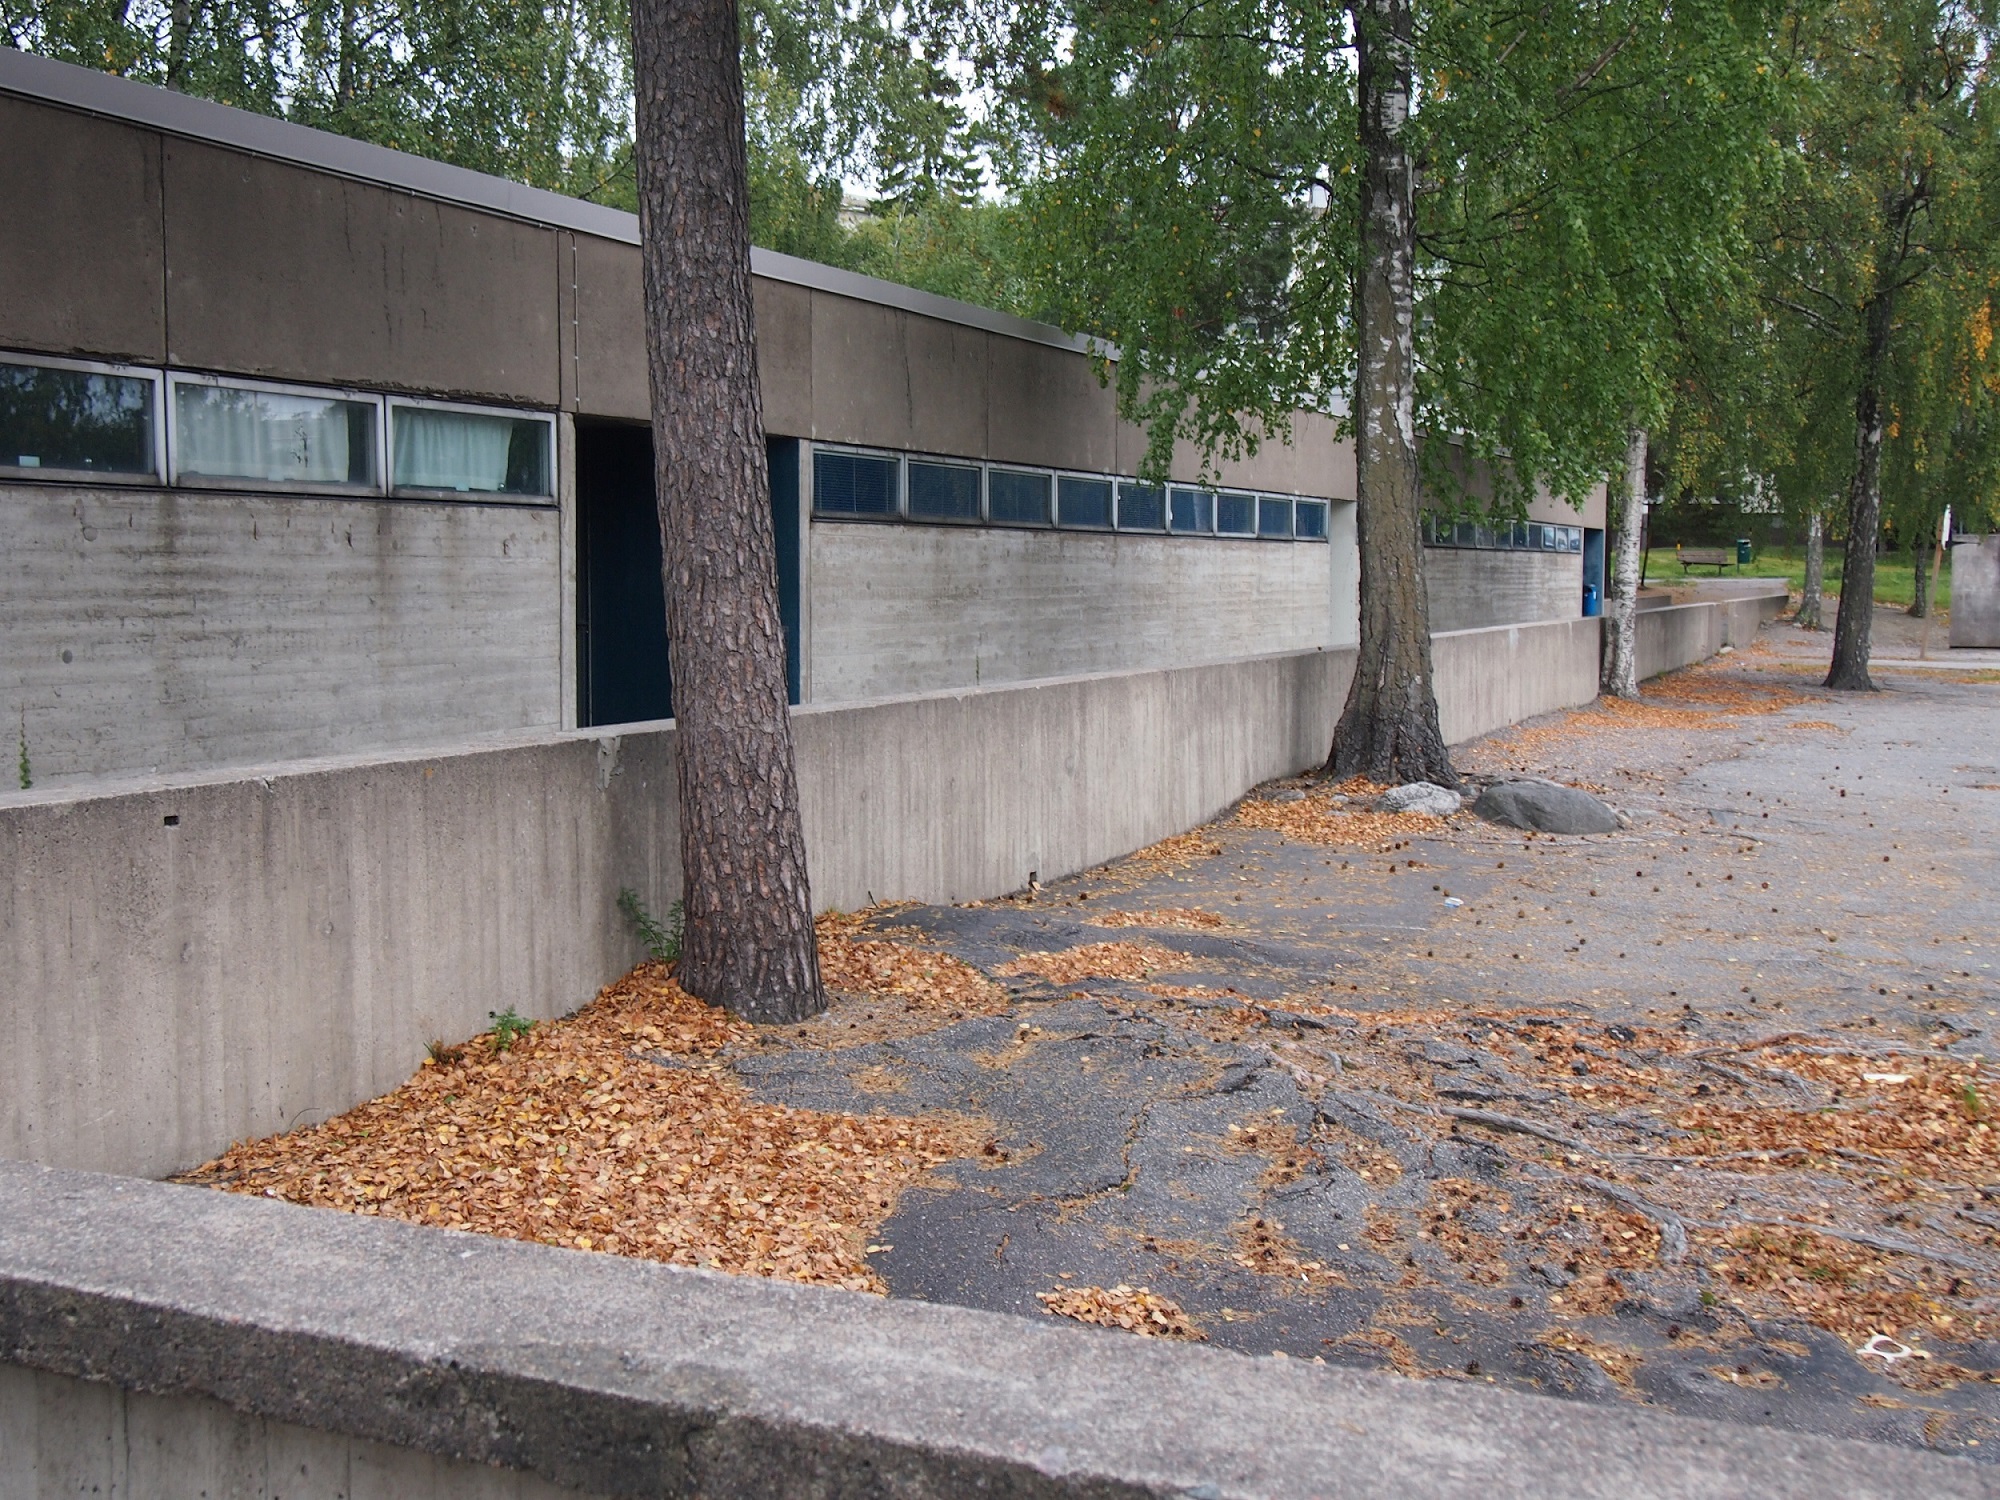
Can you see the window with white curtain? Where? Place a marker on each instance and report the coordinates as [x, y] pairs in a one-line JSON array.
[[463, 451], [229, 431]]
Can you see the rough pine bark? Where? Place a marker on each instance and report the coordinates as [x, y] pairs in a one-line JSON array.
[[749, 941], [1854, 623], [1808, 616], [1621, 607], [1388, 730]]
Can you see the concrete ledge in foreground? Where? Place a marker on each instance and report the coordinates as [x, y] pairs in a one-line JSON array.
[[618, 1377]]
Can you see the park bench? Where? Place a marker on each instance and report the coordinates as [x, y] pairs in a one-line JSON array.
[[1705, 557]]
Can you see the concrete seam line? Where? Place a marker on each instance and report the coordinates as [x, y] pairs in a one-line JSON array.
[[625, 1377]]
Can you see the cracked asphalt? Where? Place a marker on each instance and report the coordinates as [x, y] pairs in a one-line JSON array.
[[1256, 1133]]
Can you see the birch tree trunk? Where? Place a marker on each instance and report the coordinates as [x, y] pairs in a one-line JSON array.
[[1621, 605], [1854, 624], [749, 942], [1809, 596], [1388, 730]]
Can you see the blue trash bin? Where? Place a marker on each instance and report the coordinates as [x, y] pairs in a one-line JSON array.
[[1590, 601]]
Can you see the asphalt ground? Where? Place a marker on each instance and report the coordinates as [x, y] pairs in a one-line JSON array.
[[1472, 1105]]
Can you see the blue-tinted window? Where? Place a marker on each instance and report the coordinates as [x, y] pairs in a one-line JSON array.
[[1236, 515], [1573, 537], [1191, 510], [1142, 507], [850, 484], [1017, 499], [75, 420], [1083, 502], [1310, 522], [1274, 516], [943, 492]]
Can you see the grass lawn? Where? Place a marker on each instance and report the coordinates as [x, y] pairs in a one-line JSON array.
[[1895, 573]]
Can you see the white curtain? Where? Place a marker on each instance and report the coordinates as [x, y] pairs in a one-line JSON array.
[[451, 450], [238, 434]]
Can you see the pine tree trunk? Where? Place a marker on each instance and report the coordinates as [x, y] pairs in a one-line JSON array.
[[749, 942], [1388, 730], [1621, 612], [1855, 622], [1809, 596]]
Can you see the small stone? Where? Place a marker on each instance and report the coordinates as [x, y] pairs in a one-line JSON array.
[[1289, 794], [1545, 807], [1419, 797]]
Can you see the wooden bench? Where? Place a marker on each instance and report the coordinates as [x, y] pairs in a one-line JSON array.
[[1717, 558]]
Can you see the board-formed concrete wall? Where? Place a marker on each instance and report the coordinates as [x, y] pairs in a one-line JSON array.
[[149, 631], [1471, 588], [912, 609]]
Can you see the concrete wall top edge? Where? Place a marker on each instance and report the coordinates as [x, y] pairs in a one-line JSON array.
[[791, 1389]]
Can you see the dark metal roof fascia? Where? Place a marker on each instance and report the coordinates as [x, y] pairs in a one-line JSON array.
[[85, 89]]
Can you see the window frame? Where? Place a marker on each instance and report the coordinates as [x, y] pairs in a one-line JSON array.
[[1110, 483], [1235, 536], [155, 377], [394, 491], [870, 518], [986, 496], [1289, 534], [1325, 508], [1119, 485], [176, 480], [906, 460]]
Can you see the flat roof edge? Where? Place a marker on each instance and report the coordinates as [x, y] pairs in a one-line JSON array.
[[48, 81]]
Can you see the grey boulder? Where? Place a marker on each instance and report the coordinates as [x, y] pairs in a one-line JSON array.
[[1419, 797], [1545, 807]]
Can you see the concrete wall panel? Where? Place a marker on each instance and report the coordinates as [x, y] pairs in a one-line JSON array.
[[72, 185], [611, 379], [910, 609], [947, 381], [861, 379], [1048, 409], [303, 276], [1473, 588], [150, 631], [784, 356]]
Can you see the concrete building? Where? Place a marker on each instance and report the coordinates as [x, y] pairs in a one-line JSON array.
[[308, 446]]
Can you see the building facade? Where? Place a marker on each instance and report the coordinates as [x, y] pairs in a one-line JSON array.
[[311, 447]]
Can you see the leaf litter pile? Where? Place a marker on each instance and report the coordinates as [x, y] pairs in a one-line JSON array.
[[622, 1128]]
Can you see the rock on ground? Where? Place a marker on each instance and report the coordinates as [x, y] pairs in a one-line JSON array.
[[1545, 807], [1419, 797]]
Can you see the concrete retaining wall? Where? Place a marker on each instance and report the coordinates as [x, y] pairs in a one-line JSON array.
[[196, 959], [1488, 679], [160, 1341]]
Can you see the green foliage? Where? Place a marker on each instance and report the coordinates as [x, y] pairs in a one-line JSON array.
[[662, 940], [1190, 192], [507, 1028], [26, 771]]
